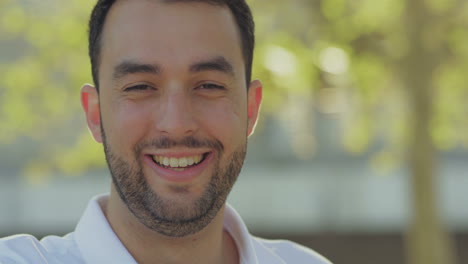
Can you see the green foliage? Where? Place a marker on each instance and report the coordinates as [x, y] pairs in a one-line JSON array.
[[374, 39], [41, 75], [341, 57]]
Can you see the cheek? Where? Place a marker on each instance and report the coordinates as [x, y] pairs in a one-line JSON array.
[[224, 120], [126, 124]]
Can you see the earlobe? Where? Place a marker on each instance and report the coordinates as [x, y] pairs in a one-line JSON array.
[[90, 104], [254, 102]]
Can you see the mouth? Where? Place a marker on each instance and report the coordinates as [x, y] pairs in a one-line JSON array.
[[179, 163]]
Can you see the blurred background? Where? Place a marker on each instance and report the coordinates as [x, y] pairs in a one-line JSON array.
[[360, 153]]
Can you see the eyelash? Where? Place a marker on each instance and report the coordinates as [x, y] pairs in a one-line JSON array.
[[211, 86], [143, 87], [139, 87]]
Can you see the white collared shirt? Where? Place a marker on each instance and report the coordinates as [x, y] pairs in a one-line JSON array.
[[94, 242]]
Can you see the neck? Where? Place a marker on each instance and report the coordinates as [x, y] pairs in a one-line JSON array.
[[212, 245]]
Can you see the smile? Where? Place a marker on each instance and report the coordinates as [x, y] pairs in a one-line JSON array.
[[179, 163], [179, 167]]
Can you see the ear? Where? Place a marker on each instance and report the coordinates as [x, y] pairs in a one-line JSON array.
[[254, 100], [90, 104]]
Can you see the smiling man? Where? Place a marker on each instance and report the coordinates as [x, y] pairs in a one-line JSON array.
[[173, 105]]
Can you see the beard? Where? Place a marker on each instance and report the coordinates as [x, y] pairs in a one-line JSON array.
[[173, 217]]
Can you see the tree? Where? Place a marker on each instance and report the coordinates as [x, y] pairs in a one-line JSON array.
[[396, 63], [40, 78]]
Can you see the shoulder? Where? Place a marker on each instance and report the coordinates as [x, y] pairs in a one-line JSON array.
[[19, 249], [291, 252]]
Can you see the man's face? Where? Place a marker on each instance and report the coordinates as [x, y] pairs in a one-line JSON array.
[[174, 110]]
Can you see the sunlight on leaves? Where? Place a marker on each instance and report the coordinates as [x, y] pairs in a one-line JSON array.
[[334, 60], [280, 61]]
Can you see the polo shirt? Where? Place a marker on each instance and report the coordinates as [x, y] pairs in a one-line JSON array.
[[94, 242]]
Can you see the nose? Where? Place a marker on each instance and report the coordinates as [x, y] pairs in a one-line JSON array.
[[176, 117]]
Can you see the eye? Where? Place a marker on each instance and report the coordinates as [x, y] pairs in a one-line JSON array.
[[211, 86], [139, 87]]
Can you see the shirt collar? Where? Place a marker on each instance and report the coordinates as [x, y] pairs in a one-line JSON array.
[[250, 250], [98, 243], [235, 226], [95, 238]]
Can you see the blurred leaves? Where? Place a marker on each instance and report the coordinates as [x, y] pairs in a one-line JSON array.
[[357, 48], [338, 58], [41, 74]]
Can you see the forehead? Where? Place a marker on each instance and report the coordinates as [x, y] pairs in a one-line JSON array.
[[170, 34]]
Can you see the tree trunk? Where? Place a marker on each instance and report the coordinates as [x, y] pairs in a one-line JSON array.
[[427, 241]]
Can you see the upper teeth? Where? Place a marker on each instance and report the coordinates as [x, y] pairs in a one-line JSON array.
[[177, 162]]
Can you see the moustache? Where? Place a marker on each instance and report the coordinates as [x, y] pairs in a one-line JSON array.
[[188, 142]]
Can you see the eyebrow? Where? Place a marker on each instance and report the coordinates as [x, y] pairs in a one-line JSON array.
[[218, 63], [129, 67]]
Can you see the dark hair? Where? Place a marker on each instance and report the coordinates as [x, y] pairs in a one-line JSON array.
[[239, 9]]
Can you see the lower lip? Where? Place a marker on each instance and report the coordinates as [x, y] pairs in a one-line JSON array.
[[184, 176]]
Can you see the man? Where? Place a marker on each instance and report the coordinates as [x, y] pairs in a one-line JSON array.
[[173, 105]]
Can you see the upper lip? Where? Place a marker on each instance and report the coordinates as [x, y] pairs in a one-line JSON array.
[[179, 153]]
